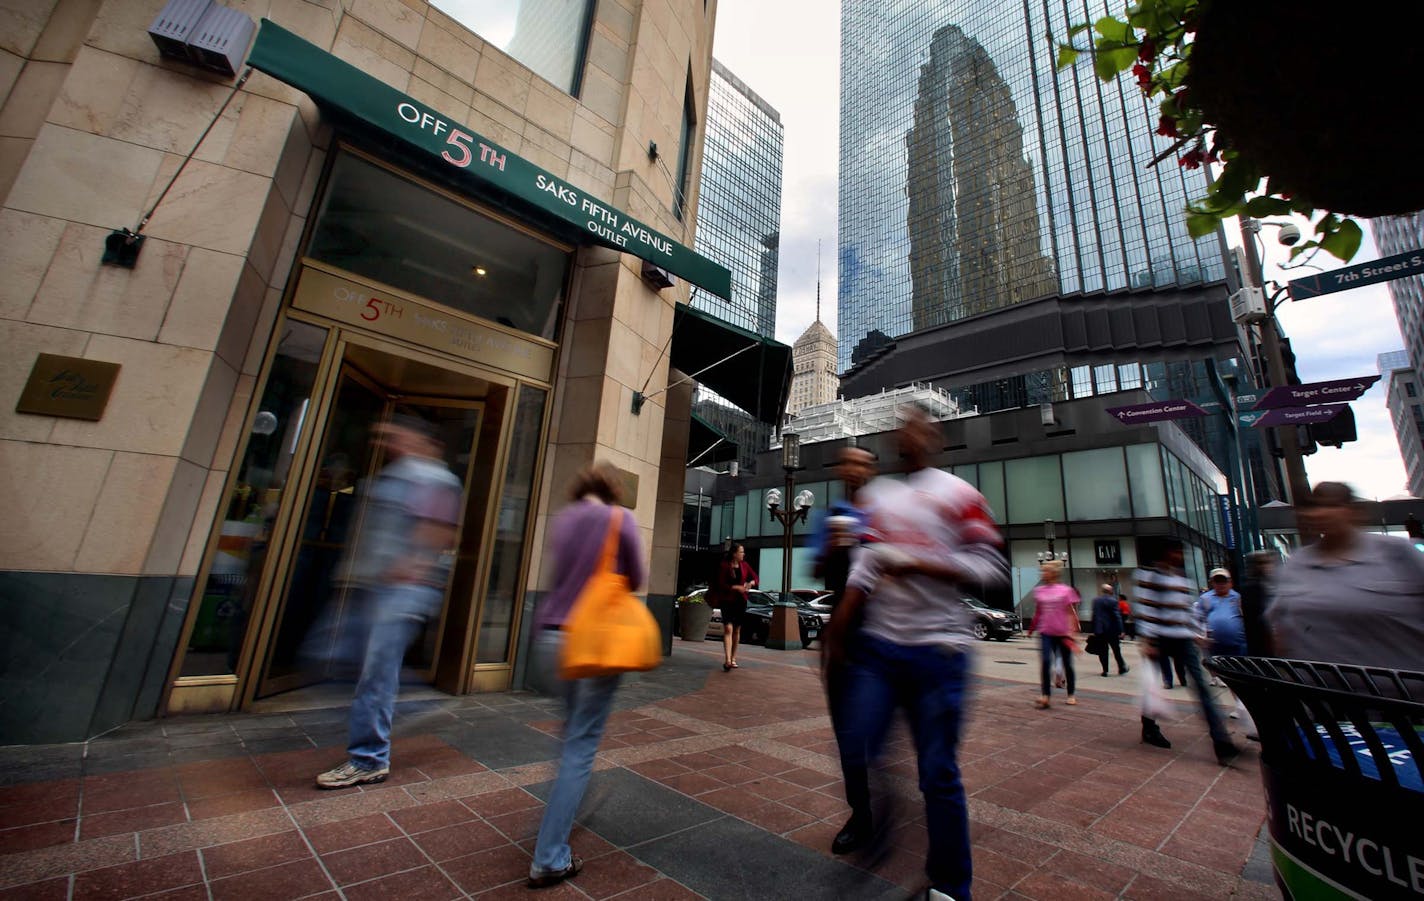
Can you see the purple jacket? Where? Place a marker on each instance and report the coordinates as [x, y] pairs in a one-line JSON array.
[[576, 541]]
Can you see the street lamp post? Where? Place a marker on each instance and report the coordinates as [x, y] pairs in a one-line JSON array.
[[1050, 533], [1297, 484], [785, 634]]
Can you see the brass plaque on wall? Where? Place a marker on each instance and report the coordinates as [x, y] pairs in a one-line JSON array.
[[395, 315], [71, 387]]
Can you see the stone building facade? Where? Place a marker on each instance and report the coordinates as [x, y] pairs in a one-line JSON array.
[[312, 263]]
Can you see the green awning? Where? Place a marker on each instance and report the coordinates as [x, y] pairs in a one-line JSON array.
[[707, 444], [750, 371], [341, 87]]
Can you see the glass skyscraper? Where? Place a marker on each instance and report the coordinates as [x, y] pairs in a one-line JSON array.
[[974, 175], [739, 226], [1402, 234], [739, 210]]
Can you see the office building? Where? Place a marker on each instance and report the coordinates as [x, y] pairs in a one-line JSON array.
[[392, 215], [1404, 234], [739, 224], [1405, 396], [975, 174], [1003, 236], [1109, 490], [869, 415], [813, 368], [739, 210]]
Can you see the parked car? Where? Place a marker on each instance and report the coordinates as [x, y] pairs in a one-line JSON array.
[[991, 622], [811, 616], [760, 605]]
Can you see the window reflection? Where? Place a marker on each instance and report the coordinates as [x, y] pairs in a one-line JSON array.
[[497, 616], [547, 36], [251, 505]]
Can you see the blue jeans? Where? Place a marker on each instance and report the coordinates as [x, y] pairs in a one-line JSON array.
[[1183, 654], [931, 683], [395, 615], [589, 702], [1048, 645]]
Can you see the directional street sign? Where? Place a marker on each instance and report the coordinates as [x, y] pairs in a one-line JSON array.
[[1316, 393], [1300, 415], [1401, 265], [1156, 412]]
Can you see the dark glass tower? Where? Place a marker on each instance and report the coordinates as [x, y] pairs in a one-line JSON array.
[[974, 175], [739, 210]]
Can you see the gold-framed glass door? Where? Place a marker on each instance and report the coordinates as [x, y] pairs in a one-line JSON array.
[[316, 627]]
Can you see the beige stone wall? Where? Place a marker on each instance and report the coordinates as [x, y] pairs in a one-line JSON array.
[[93, 125]]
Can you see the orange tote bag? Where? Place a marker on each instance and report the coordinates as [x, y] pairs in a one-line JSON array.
[[609, 630]]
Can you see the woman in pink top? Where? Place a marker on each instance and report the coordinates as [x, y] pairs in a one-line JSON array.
[[1055, 619]]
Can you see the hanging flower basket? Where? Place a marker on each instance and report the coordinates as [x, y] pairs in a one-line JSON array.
[[1321, 97]]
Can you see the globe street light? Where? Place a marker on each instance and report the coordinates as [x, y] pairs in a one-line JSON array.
[[1049, 556], [785, 633]]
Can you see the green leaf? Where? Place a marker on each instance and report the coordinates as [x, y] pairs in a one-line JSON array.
[[1261, 207], [1344, 242], [1302, 248], [1171, 77], [1108, 63], [1114, 30], [1079, 29], [1200, 224], [1067, 56]]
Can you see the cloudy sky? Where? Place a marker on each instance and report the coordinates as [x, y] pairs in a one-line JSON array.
[[789, 53]]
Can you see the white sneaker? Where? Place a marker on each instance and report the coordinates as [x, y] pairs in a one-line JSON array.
[[349, 774], [935, 895]]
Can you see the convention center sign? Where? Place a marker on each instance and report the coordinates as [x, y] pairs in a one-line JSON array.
[[337, 85]]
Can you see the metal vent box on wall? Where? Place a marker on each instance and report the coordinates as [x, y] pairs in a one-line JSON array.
[[174, 24], [220, 40], [203, 32]]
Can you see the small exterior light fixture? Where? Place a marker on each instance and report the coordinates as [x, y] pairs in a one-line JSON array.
[[773, 499], [805, 500], [790, 451], [479, 271]]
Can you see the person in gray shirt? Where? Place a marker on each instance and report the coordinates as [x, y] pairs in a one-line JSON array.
[[1352, 596]]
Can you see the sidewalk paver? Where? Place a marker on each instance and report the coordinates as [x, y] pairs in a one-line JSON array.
[[708, 784]]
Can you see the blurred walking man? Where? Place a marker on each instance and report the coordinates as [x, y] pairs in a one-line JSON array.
[[1168, 627], [836, 534], [935, 533], [397, 569]]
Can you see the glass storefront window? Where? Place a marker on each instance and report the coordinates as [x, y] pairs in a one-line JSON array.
[[497, 616], [969, 472], [1096, 484], [991, 485], [1144, 476], [1035, 488], [252, 504], [380, 226], [547, 36], [739, 517]]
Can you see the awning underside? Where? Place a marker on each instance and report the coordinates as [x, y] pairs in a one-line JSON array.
[[748, 370]]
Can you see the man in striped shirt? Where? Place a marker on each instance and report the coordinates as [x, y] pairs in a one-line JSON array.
[[1168, 627]]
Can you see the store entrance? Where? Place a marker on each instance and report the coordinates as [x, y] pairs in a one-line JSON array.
[[319, 616]]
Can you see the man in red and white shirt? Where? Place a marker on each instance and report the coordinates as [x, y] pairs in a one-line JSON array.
[[930, 533]]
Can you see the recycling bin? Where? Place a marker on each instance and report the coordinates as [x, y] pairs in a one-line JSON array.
[[1342, 760]]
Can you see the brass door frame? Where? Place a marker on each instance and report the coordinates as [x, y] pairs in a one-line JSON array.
[[244, 657], [266, 684], [259, 640]]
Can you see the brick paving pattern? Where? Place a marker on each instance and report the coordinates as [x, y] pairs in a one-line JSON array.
[[707, 785]]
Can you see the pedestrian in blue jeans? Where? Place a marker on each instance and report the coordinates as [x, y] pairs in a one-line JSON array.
[[928, 534], [576, 540], [396, 569]]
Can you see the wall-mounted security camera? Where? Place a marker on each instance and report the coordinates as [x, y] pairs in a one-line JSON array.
[[1289, 234]]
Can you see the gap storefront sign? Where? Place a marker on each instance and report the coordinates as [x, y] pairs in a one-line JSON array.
[[343, 89]]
